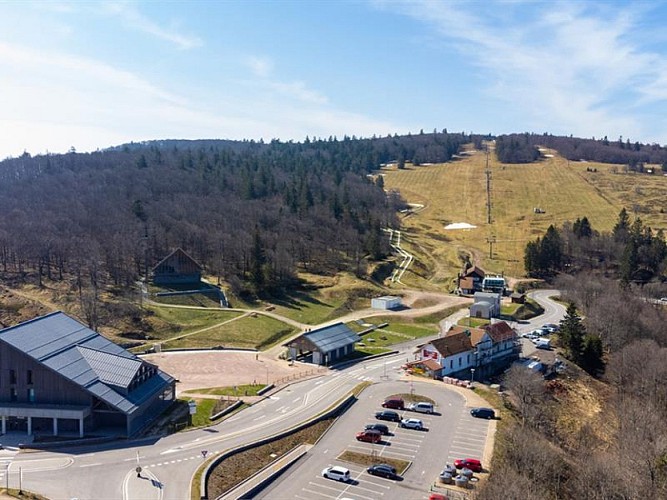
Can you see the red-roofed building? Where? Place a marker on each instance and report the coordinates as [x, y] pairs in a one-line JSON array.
[[488, 350]]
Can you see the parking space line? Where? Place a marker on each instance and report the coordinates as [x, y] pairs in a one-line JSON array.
[[374, 484], [326, 486], [404, 448], [389, 452], [318, 493], [465, 451], [469, 438], [357, 487]]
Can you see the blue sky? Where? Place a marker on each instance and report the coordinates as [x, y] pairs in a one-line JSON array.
[[95, 74]]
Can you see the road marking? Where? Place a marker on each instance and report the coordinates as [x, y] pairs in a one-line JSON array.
[[259, 418], [91, 465], [297, 399], [318, 493]]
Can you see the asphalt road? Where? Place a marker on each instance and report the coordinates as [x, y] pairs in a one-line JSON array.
[[108, 471], [451, 433]]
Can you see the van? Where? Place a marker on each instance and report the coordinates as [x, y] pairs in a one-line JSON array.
[[421, 407], [394, 403], [337, 473], [543, 343], [487, 413], [369, 436]]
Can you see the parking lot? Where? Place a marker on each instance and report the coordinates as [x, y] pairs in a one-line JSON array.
[[450, 434]]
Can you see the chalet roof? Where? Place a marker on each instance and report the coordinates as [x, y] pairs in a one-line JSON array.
[[476, 334], [500, 331], [452, 344], [332, 337], [85, 358], [474, 270], [178, 252], [431, 364]]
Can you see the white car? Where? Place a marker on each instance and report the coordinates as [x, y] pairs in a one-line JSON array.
[[338, 473], [412, 423], [421, 407]]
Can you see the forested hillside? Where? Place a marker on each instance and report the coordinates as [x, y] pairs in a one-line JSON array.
[[250, 212], [523, 148]]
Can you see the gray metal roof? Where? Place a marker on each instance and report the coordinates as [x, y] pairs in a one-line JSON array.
[[111, 368], [84, 357], [332, 337]]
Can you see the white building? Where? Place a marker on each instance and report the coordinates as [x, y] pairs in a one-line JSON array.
[[386, 302]]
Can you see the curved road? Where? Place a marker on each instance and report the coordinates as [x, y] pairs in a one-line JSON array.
[[168, 464]]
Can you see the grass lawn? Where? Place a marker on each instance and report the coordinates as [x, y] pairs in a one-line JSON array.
[[398, 329], [175, 321], [260, 332], [204, 410], [473, 322], [240, 390], [325, 298], [367, 460], [564, 189]]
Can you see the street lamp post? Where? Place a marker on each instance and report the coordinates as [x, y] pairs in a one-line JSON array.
[[472, 376]]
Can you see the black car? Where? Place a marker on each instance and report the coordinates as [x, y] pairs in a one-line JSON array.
[[383, 470], [392, 416], [378, 427], [487, 413]]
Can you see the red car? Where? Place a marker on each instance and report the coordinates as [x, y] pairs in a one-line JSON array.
[[394, 404], [370, 436], [469, 463]]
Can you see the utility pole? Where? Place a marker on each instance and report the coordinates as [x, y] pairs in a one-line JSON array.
[[491, 240]]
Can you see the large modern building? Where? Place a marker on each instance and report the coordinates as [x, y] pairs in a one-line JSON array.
[[57, 375]]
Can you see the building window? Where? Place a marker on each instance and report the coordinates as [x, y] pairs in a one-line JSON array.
[[451, 364], [13, 395], [12, 376], [31, 395], [460, 361], [468, 361], [29, 377]]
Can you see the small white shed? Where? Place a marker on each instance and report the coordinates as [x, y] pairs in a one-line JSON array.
[[386, 302]]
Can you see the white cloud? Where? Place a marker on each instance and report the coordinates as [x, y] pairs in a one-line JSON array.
[[53, 101], [577, 69], [260, 66], [130, 15], [299, 90]]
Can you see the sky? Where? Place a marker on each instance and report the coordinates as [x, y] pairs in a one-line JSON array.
[[90, 75]]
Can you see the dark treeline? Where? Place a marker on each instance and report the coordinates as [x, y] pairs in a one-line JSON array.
[[632, 251], [516, 148], [250, 212], [619, 151]]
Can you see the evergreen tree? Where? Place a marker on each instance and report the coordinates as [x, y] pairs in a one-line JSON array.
[[621, 231], [552, 249], [582, 228], [629, 262], [592, 355], [572, 333], [531, 258], [257, 260]]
